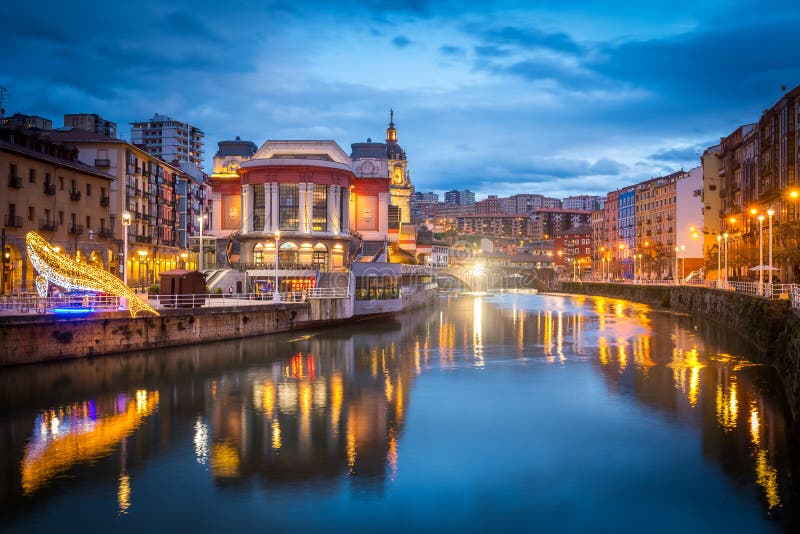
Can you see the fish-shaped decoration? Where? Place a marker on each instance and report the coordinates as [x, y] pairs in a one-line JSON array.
[[66, 273]]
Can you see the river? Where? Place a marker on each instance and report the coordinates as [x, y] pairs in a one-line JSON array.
[[511, 412]]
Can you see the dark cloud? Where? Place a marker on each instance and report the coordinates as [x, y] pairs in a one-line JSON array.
[[526, 38], [401, 41], [491, 51], [450, 50], [677, 154]]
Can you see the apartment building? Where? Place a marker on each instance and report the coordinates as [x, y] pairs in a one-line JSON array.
[[91, 122], [49, 191], [546, 223], [169, 139]]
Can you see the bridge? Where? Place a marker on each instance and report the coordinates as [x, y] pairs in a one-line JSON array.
[[482, 277]]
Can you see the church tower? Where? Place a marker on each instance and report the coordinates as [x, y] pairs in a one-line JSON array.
[[400, 183]]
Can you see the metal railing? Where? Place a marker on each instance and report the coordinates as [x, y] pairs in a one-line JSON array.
[[66, 304], [329, 293]]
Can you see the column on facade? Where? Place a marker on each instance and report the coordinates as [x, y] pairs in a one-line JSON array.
[[269, 191], [302, 207], [346, 213], [383, 210], [247, 208], [333, 208], [274, 190], [310, 207]]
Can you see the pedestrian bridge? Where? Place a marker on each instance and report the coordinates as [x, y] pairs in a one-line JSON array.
[[482, 277]]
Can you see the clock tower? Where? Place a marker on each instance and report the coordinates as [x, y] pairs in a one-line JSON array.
[[400, 184]]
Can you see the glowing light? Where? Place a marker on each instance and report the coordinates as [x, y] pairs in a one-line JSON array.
[[70, 275], [224, 461], [124, 493], [200, 442], [276, 435], [767, 478], [755, 425]]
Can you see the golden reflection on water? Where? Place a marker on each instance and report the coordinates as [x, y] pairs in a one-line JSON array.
[[124, 493], [727, 405], [76, 433], [686, 368], [477, 331]]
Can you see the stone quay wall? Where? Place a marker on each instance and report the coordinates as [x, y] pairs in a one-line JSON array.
[[771, 327], [32, 339]]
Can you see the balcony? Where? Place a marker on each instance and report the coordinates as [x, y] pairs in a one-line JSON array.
[[102, 163], [75, 195], [75, 229], [49, 188], [15, 182], [13, 221], [47, 224], [105, 232], [104, 201]]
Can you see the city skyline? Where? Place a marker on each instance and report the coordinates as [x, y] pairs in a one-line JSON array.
[[499, 100]]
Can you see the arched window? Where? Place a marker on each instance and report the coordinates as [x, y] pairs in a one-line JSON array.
[[320, 257], [287, 255]]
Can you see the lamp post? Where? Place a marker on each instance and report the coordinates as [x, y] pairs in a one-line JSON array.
[[126, 222], [770, 212], [719, 259], [760, 254], [276, 294], [200, 220], [725, 236]]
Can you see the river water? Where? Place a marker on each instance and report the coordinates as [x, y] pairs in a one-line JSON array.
[[496, 413]]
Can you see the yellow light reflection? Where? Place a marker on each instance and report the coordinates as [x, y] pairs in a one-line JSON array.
[[276, 435], [767, 478], [53, 453], [727, 406], [755, 426], [124, 493], [477, 331], [224, 460]]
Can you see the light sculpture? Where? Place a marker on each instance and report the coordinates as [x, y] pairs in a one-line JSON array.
[[66, 273]]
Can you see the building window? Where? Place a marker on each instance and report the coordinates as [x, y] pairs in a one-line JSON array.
[[32, 176], [61, 217], [288, 199], [320, 209], [258, 254], [258, 207], [61, 183], [31, 212], [88, 190]]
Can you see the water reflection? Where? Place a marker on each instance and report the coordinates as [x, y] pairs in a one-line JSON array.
[[320, 410]]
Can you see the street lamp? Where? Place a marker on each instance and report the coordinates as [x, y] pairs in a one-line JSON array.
[[761, 254], [276, 294], [126, 222], [719, 259], [200, 219], [770, 212]]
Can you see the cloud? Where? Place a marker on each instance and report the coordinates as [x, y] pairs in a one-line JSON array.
[[526, 38], [453, 51], [401, 41], [491, 51]]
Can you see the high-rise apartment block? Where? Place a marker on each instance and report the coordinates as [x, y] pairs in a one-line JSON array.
[[169, 139], [91, 122], [460, 198]]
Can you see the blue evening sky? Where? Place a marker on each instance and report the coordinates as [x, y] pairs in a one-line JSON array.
[[549, 97]]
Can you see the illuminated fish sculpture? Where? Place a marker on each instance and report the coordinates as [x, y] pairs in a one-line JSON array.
[[66, 273]]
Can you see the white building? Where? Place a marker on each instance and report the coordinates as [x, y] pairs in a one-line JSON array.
[[169, 139], [689, 216]]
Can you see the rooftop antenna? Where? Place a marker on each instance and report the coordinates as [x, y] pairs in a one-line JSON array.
[[2, 95]]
